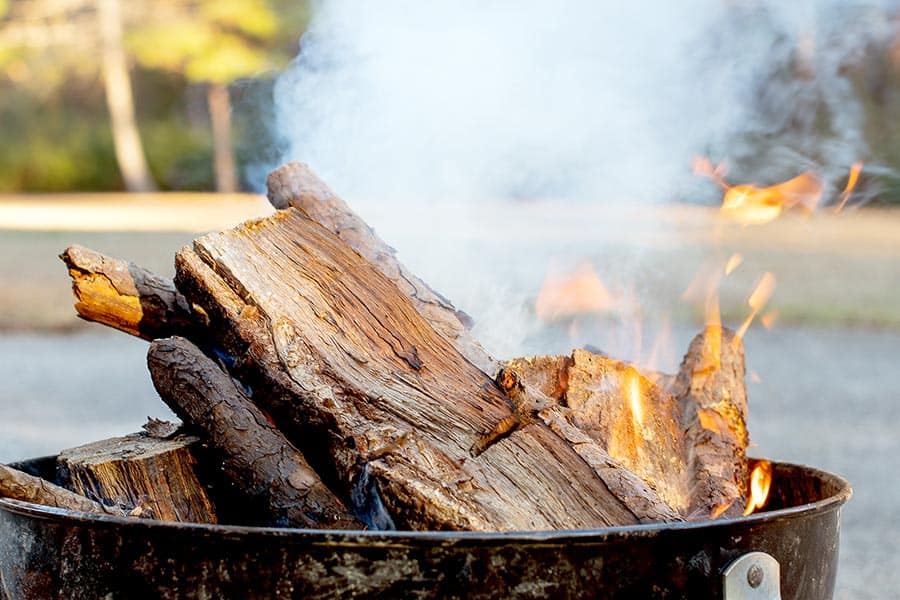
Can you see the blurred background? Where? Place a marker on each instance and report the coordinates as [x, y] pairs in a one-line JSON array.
[[533, 163]]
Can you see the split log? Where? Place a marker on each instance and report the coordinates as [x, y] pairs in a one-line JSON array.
[[261, 464], [547, 374], [637, 422], [640, 497], [21, 486], [337, 353], [127, 297], [143, 475], [711, 390], [294, 184]]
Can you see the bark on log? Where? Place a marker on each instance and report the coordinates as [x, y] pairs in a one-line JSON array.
[[331, 346], [146, 476], [21, 486], [258, 460], [710, 388], [127, 297], [294, 184]]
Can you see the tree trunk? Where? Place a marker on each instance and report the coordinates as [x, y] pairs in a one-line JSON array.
[[223, 153], [119, 99], [344, 362]]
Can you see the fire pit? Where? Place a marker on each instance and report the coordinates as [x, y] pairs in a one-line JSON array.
[[330, 398], [49, 552]]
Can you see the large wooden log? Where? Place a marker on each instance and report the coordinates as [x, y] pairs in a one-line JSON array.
[[142, 474], [340, 356], [262, 466], [294, 184], [127, 297], [21, 486], [710, 388]]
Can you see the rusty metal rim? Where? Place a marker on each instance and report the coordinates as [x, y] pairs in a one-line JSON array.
[[833, 502]]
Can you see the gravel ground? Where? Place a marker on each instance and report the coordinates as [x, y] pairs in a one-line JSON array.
[[833, 405]]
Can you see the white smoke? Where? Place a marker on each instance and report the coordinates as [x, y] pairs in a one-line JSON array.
[[409, 104]]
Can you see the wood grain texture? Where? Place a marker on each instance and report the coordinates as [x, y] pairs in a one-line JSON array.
[[344, 361], [264, 469], [579, 430], [21, 486], [142, 474], [295, 184], [127, 297], [711, 390], [646, 438]]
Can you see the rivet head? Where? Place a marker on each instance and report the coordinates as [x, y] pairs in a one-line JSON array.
[[755, 576]]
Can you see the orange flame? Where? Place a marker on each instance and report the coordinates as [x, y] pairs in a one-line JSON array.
[[635, 397], [719, 510], [851, 184], [757, 300], [760, 482], [579, 292], [753, 205], [733, 263], [703, 166], [768, 319]]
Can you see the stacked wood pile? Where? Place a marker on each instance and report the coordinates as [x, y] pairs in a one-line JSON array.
[[328, 386]]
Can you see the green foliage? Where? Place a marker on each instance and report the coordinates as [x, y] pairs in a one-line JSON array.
[[217, 42]]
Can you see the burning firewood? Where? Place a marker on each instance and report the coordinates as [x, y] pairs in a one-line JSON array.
[[637, 422], [141, 474], [710, 387], [338, 354], [127, 297], [379, 395], [17, 485], [531, 403], [254, 456], [294, 184]]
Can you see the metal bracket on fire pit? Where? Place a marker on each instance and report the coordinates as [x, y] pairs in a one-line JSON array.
[[753, 576]]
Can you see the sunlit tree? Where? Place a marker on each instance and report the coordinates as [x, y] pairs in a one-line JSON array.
[[211, 43], [214, 43], [60, 37]]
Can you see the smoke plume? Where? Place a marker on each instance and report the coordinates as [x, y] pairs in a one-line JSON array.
[[402, 105]]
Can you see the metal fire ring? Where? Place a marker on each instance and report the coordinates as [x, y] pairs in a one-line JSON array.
[[752, 576]]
